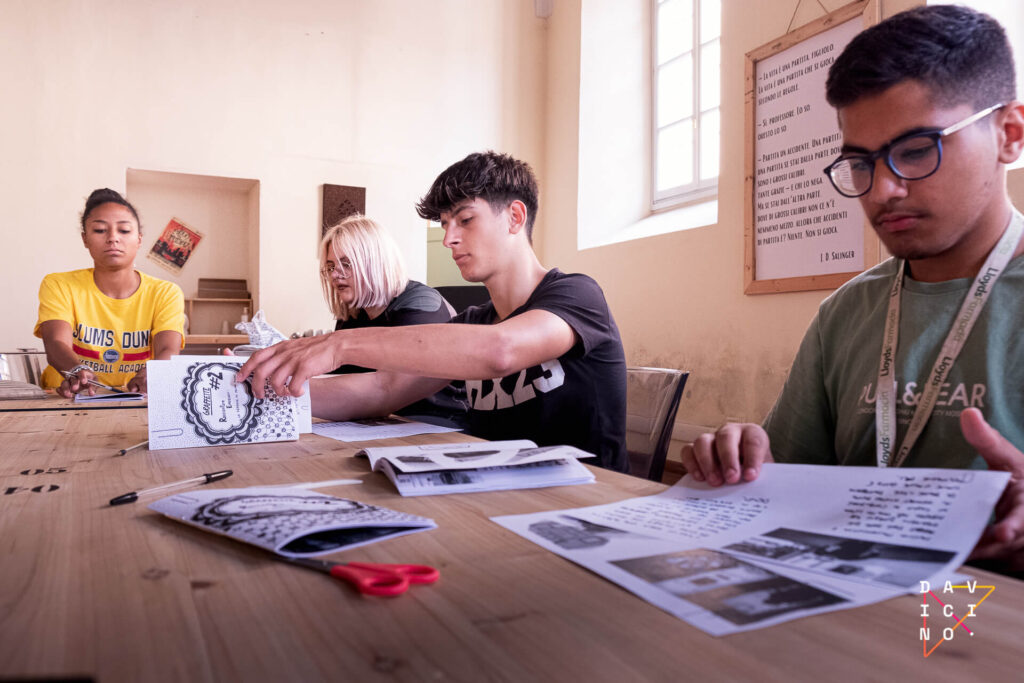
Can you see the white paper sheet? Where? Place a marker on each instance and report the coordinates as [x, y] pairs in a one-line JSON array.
[[375, 428], [799, 540]]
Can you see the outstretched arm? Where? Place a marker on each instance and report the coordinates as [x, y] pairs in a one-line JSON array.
[[57, 340], [368, 394], [449, 351]]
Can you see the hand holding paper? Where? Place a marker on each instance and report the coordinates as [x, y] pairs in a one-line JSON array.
[[1005, 538], [732, 454]]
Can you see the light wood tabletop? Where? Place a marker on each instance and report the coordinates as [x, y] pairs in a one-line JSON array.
[[54, 402], [124, 594]]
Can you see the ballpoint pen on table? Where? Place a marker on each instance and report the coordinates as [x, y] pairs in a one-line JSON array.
[[201, 479], [124, 451]]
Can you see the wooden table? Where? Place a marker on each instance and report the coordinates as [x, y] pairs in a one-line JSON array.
[[54, 402], [123, 594]]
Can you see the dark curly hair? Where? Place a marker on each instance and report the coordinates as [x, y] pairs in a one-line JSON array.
[[497, 178], [962, 55], [107, 196]]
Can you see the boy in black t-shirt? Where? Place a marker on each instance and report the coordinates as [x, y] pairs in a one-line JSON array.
[[542, 360]]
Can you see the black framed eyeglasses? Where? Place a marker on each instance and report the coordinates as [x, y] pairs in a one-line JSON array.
[[913, 156], [343, 267]]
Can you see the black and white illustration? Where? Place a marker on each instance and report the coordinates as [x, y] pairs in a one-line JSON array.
[[873, 562], [477, 466], [195, 401], [572, 533], [219, 410], [736, 591], [290, 522], [470, 455]]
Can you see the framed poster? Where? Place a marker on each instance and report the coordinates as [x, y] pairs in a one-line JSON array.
[[799, 233], [175, 245], [340, 202]]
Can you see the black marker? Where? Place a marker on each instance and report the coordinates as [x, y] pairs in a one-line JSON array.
[[201, 479]]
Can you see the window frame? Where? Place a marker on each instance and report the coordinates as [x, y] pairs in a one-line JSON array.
[[697, 190]]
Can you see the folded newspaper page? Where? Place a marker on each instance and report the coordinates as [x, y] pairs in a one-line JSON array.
[[797, 541], [468, 467], [289, 522]]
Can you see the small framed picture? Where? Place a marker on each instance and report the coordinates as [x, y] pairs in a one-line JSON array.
[[174, 247]]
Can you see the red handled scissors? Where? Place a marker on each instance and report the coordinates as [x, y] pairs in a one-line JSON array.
[[373, 578]]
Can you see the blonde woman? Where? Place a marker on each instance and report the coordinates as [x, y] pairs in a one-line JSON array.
[[365, 285]]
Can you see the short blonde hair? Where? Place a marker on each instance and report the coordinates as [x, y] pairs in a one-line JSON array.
[[378, 273]]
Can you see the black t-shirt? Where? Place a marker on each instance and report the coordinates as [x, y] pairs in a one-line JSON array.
[[578, 399], [418, 304]]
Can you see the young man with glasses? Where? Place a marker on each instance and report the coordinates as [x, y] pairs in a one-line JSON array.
[[542, 361], [915, 362]]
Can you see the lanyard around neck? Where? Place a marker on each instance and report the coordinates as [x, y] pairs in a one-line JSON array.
[[970, 310]]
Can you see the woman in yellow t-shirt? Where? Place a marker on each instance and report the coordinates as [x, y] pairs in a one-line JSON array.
[[103, 323]]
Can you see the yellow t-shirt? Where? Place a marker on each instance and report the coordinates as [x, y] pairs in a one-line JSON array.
[[111, 336]]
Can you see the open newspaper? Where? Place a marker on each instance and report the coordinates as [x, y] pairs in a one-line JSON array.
[[194, 401], [469, 467], [289, 522], [799, 540]]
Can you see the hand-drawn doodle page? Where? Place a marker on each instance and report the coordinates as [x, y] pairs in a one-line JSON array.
[[194, 401], [289, 522]]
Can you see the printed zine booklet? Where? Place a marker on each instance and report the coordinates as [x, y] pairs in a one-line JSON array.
[[290, 522], [474, 466], [110, 397], [194, 401]]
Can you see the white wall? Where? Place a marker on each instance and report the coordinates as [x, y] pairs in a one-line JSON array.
[[678, 298], [382, 94]]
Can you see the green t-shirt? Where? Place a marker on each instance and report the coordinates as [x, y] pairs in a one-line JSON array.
[[826, 411]]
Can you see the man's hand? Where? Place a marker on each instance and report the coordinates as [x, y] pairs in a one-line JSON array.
[[1004, 539], [735, 452], [76, 383], [289, 364]]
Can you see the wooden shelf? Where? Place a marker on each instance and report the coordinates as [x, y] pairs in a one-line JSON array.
[[221, 339], [205, 300]]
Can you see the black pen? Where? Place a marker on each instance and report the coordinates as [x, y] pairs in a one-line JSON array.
[[201, 479], [93, 382]]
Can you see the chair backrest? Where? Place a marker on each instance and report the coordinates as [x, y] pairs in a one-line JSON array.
[[24, 365], [652, 399], [461, 297]]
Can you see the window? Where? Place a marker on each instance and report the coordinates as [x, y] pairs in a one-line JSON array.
[[685, 111]]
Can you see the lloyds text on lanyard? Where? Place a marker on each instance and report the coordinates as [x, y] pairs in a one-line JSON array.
[[970, 309]]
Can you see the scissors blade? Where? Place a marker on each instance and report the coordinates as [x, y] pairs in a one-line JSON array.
[[312, 563]]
